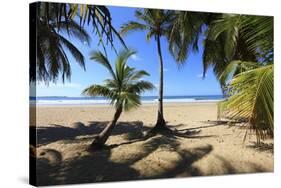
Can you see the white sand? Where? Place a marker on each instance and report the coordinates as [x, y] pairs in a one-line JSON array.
[[217, 149]]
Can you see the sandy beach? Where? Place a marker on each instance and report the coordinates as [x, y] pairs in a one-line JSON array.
[[211, 147]]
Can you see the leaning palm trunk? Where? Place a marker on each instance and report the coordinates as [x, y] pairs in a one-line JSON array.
[[160, 116], [101, 139]]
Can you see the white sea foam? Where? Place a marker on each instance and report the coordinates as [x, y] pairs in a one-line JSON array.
[[62, 102]]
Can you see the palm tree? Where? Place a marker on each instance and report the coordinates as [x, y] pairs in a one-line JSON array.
[[240, 48], [54, 19], [174, 26], [157, 23], [123, 89]]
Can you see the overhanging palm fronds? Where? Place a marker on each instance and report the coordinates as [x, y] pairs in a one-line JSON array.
[[234, 68], [252, 98], [231, 37], [258, 31], [51, 52], [53, 19], [229, 25], [240, 49], [184, 33], [97, 16]]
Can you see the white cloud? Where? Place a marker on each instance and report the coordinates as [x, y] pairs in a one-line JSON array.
[[135, 57]]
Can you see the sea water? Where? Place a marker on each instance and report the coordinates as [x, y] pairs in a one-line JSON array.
[[63, 100]]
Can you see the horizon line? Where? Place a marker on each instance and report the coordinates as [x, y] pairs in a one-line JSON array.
[[141, 95]]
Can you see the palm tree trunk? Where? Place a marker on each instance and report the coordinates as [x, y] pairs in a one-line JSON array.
[[160, 116], [100, 140]]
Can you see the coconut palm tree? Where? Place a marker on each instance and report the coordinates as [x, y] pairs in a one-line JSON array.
[[157, 23], [123, 89], [240, 48], [52, 20], [174, 26]]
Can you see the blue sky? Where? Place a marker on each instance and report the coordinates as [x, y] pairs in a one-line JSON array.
[[186, 80]]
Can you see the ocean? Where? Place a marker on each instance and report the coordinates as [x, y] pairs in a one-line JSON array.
[[58, 100]]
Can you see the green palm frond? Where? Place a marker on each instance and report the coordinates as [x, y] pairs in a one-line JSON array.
[[129, 100], [111, 84], [132, 26], [52, 59], [150, 34], [234, 68], [98, 90], [141, 86], [138, 75], [53, 19], [183, 34], [124, 87], [214, 56], [258, 31], [240, 50], [144, 15], [230, 26], [121, 69], [74, 30], [252, 98], [180, 28], [154, 22], [100, 58], [124, 55], [73, 51], [232, 37]]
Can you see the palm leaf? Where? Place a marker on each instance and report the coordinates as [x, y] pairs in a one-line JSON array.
[[234, 68], [141, 86], [73, 51], [54, 18], [98, 90], [252, 98], [101, 59], [132, 26]]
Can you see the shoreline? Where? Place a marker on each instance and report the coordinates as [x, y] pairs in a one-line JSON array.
[[146, 103]]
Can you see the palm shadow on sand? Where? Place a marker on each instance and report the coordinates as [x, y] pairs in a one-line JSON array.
[[98, 166], [55, 132], [209, 123], [134, 131], [262, 147]]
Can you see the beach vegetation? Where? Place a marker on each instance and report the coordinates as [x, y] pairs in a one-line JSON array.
[[123, 89], [54, 22], [240, 49]]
